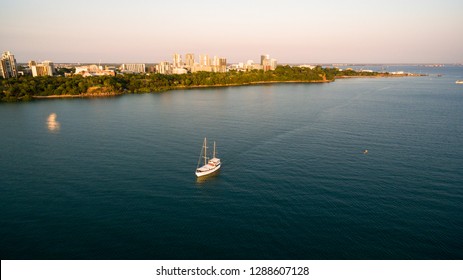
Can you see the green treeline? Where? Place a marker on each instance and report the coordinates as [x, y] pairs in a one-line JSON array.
[[25, 88]]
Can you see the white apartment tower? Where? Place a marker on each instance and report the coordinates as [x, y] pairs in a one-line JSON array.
[[177, 59], [204, 60], [190, 59], [273, 64], [8, 65], [164, 67]]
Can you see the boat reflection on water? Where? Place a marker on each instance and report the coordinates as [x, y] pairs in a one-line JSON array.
[[52, 124]]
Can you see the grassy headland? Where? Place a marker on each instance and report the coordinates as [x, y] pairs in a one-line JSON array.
[[28, 88]]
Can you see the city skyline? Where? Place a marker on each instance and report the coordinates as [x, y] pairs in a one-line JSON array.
[[294, 31]]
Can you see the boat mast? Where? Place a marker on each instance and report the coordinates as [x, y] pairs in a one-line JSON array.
[[214, 151], [205, 151]]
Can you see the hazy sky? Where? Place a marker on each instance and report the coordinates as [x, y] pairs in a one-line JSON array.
[[150, 31]]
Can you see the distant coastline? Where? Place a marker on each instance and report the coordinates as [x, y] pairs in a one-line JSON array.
[[28, 88], [382, 75]]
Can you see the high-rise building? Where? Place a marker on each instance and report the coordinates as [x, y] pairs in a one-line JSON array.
[[164, 67], [8, 65], [46, 68], [177, 60], [273, 64], [190, 59], [263, 58], [222, 61], [50, 65], [221, 65], [267, 63], [204, 60]]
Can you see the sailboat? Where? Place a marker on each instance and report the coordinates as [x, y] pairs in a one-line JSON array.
[[210, 166]]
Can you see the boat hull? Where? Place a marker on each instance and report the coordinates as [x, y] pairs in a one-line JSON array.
[[207, 172]]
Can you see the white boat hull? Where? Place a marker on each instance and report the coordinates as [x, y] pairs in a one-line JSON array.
[[207, 172], [210, 166]]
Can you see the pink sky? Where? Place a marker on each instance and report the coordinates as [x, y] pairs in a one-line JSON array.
[[291, 31]]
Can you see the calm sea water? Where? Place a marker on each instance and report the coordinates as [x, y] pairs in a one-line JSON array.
[[113, 178]]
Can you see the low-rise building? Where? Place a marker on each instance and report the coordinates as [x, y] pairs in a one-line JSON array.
[[307, 66], [133, 67], [199, 68], [93, 70], [179, 71]]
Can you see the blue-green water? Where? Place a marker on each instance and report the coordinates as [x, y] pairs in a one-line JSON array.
[[116, 179]]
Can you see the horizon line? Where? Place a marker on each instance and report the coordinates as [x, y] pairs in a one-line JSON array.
[[282, 63]]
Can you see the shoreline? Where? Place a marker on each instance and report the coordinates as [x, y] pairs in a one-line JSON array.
[[256, 83], [108, 94], [84, 95]]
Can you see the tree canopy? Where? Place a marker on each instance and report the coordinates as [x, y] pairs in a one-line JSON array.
[[26, 87]]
